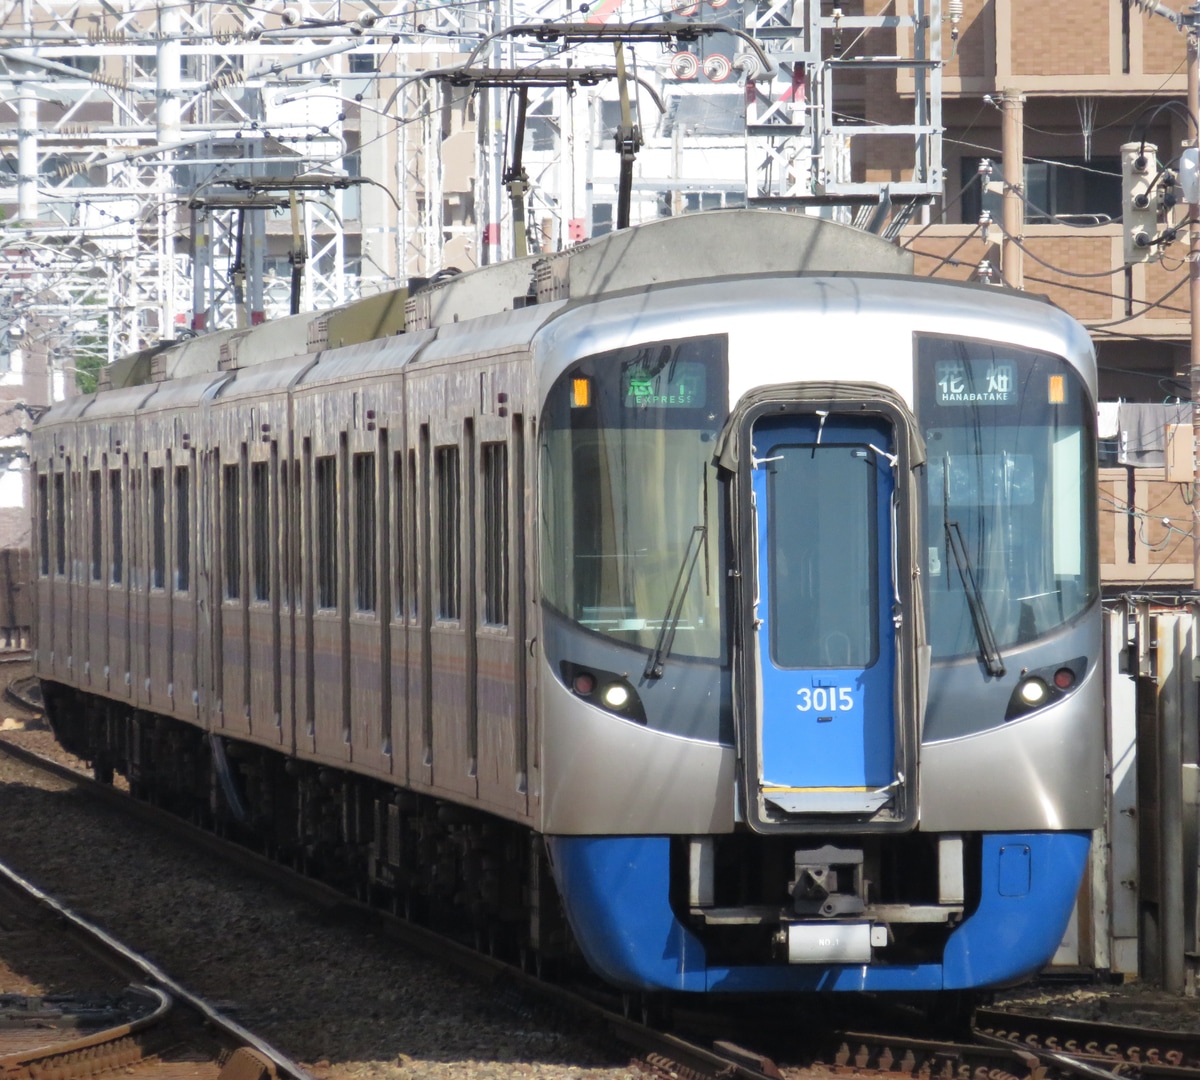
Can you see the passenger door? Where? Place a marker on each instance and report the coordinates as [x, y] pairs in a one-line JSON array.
[[830, 738]]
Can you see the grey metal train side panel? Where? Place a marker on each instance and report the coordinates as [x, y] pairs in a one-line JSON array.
[[603, 774], [319, 420], [370, 705], [502, 705], [1011, 778], [153, 663], [186, 641], [418, 752], [168, 421], [65, 600], [397, 554], [55, 442], [249, 430], [274, 691], [356, 393], [78, 570], [263, 644], [442, 750]]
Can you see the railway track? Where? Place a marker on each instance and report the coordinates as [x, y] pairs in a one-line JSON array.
[[153, 1028], [1006, 1046]]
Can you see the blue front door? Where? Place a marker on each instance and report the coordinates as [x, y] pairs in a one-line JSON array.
[[823, 621]]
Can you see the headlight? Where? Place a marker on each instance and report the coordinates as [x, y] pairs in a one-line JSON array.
[[609, 690], [1044, 686], [615, 696], [1033, 691]]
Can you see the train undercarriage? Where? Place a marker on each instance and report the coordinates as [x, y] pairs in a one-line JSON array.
[[739, 905], [456, 869]]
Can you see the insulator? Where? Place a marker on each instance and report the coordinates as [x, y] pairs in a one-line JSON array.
[[227, 78], [100, 79]]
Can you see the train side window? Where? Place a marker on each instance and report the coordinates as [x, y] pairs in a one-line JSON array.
[[232, 534], [285, 535], [60, 524], [494, 468], [158, 525], [118, 526], [413, 591], [135, 528], [76, 542], [96, 494], [364, 532], [449, 540], [398, 532], [325, 505], [260, 523], [43, 497], [183, 534]]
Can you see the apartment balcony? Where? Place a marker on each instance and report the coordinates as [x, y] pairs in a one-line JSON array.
[[1145, 526], [1085, 47]]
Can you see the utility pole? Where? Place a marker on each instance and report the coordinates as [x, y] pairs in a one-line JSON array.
[[1012, 140]]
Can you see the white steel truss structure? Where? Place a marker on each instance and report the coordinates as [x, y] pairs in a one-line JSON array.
[[174, 168]]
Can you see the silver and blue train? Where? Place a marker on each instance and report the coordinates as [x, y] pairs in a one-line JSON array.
[[715, 601]]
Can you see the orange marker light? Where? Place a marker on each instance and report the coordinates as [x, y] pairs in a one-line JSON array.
[[1058, 389], [581, 393]]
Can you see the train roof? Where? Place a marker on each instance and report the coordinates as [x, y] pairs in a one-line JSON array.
[[694, 247]]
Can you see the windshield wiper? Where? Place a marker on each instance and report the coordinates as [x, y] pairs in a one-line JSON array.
[[666, 632], [979, 616]]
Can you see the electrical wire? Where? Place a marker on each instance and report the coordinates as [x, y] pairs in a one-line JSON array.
[[950, 258], [1058, 269]]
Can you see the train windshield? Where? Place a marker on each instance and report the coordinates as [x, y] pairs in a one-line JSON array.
[[630, 511], [1009, 491]]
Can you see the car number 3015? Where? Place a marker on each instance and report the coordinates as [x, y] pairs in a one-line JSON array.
[[825, 699]]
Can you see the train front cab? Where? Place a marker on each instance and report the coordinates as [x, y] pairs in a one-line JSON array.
[[832, 879]]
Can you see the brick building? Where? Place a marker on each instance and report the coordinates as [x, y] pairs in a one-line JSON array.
[[1094, 74]]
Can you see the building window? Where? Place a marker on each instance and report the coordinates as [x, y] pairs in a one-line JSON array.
[[1070, 190], [95, 491], [118, 525], [183, 535], [494, 463], [325, 500], [364, 532], [447, 481], [158, 525], [260, 509], [232, 533]]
